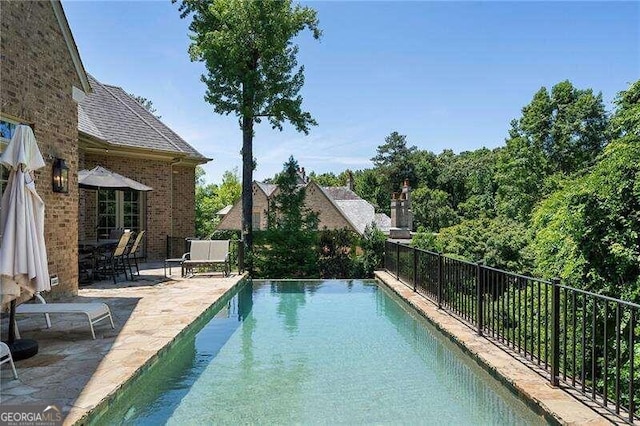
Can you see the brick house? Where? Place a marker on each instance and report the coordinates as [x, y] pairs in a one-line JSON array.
[[44, 84], [338, 208], [42, 79], [117, 133]]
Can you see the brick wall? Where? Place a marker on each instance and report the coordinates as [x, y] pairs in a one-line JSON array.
[[159, 213], [37, 75]]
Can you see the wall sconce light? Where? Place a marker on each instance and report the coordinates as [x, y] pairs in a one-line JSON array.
[[60, 179]]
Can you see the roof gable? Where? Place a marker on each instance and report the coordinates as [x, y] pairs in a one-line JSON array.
[[71, 45], [111, 115]]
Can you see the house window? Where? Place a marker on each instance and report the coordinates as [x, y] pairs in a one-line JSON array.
[[255, 221], [7, 128], [120, 210]]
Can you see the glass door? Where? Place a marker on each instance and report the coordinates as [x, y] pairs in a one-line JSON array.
[[120, 210]]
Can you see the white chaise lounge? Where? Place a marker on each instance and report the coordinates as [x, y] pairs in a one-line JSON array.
[[95, 312]]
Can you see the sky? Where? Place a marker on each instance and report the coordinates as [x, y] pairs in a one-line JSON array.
[[449, 75]]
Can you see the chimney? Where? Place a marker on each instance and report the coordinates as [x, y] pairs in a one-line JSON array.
[[349, 180]]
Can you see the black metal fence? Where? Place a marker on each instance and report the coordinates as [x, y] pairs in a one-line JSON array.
[[177, 246], [584, 339]]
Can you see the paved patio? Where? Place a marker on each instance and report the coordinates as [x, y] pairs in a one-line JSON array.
[[76, 373]]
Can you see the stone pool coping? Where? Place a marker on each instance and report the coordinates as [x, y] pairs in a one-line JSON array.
[[82, 376], [559, 405]]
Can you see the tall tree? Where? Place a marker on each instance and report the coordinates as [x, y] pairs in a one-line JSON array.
[[559, 132], [394, 160], [289, 250], [252, 71]]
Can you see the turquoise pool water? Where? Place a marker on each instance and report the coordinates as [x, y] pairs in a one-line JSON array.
[[316, 352]]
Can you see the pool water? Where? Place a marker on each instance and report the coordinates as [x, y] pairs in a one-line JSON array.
[[316, 352]]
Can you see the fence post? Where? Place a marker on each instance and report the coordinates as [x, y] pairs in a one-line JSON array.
[[440, 278], [479, 298], [555, 332], [415, 269], [398, 261]]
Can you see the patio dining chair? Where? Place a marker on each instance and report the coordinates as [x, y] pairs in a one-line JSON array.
[[132, 253], [113, 262]]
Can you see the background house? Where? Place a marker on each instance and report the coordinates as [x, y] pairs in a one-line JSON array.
[[338, 208]]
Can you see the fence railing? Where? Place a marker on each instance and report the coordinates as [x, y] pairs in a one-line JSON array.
[[584, 339]]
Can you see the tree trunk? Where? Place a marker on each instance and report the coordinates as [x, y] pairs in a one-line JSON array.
[[247, 191]]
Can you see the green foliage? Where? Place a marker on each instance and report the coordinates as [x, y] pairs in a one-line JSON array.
[[250, 57], [559, 132], [287, 248], [426, 240], [252, 71], [587, 232], [368, 184], [626, 120], [500, 242], [432, 209], [336, 253], [394, 163], [211, 198], [372, 245], [329, 179]]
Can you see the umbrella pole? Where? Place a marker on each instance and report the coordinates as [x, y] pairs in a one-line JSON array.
[[12, 323], [20, 348]]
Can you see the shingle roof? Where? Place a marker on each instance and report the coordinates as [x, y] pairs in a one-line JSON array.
[[358, 211], [383, 222], [267, 188], [341, 193], [113, 116]]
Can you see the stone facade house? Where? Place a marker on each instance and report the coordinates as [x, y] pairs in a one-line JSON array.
[[338, 208], [77, 119]]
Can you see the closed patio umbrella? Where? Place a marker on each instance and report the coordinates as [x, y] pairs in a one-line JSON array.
[[23, 254], [99, 177]]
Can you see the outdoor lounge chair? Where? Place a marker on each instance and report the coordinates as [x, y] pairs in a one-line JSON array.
[[95, 311], [5, 356], [206, 253]]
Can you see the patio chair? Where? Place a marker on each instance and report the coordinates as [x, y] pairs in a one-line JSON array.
[[5, 356], [132, 254], [114, 262], [206, 253]]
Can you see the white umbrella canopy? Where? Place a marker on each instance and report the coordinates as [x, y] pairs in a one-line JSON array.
[[23, 254], [99, 177]]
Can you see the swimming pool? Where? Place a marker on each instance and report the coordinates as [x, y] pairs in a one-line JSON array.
[[348, 352]]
